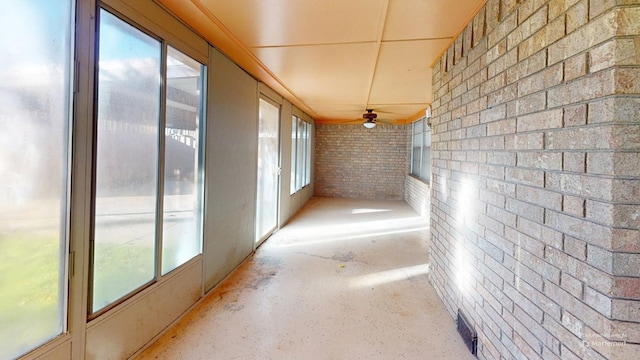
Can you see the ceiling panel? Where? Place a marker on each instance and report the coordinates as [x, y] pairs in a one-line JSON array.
[[427, 19], [335, 58], [296, 22], [402, 75], [324, 73]]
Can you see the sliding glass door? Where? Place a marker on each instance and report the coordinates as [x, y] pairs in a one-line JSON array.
[[268, 170]]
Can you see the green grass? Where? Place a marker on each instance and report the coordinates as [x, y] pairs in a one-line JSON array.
[[30, 287], [29, 291], [120, 269]]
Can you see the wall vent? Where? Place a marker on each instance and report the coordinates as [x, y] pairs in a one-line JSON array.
[[467, 333]]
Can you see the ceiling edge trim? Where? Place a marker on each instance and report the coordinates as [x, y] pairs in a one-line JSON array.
[[420, 114], [453, 39]]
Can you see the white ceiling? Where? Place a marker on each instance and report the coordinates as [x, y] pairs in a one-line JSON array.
[[335, 58]]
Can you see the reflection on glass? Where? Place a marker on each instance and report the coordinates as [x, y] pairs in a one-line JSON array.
[[268, 155], [182, 213], [300, 166], [34, 118], [416, 148], [294, 149], [127, 153], [307, 136], [425, 168]]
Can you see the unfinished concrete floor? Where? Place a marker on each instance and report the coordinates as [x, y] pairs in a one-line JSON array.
[[345, 279]]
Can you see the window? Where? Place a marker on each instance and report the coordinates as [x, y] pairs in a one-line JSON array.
[[136, 162], [35, 74], [300, 154], [183, 156], [307, 138], [421, 149]]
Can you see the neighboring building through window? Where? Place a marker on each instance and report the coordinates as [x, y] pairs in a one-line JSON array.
[[300, 154], [421, 149], [149, 176]]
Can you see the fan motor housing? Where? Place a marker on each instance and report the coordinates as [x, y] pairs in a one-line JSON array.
[[370, 115]]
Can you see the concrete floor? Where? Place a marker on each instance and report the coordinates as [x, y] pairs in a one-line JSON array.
[[345, 279]]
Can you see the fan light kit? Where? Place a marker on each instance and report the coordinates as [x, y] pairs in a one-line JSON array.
[[370, 119]]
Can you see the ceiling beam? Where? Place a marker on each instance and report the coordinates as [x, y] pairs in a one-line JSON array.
[[382, 23]]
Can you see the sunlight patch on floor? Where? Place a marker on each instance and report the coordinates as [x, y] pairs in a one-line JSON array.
[[368, 211], [385, 277], [321, 240]]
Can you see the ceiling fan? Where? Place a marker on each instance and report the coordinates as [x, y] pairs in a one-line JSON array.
[[370, 119]]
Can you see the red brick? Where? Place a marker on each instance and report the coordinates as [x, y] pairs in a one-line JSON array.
[[575, 67], [575, 115], [575, 247], [540, 160], [538, 196], [574, 162], [531, 141], [573, 205], [551, 119], [577, 16], [572, 285], [594, 32], [545, 79]]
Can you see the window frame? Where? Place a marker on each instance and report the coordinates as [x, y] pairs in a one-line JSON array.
[[165, 44], [421, 129], [300, 154], [63, 185]]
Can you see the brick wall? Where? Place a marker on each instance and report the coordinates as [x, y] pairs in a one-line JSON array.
[[536, 179], [354, 162], [416, 194]]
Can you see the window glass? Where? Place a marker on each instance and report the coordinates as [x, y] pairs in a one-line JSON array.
[[425, 173], [294, 150], [127, 160], [300, 154], [307, 158], [183, 187], [416, 147], [268, 163], [300, 166], [35, 80], [425, 167], [421, 150]]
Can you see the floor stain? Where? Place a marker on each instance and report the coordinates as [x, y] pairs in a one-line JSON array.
[[348, 257], [254, 274], [233, 307], [344, 258]]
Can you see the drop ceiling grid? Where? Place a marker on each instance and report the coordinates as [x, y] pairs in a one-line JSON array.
[[404, 75], [317, 73], [338, 57]]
